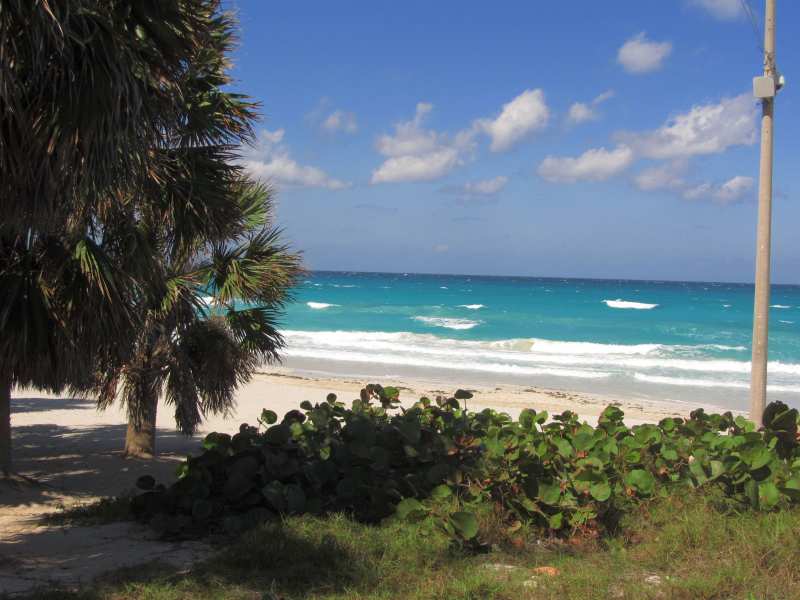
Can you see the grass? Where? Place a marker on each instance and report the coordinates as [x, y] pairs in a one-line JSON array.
[[680, 548]]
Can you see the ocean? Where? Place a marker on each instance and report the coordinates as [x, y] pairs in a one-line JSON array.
[[681, 341]]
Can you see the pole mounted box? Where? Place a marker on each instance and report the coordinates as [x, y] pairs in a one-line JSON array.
[[764, 87]]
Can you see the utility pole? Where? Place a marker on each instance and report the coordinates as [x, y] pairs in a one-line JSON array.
[[765, 88]]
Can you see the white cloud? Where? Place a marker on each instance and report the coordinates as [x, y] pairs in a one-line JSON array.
[[270, 161], [417, 154], [581, 112], [597, 164], [732, 190], [660, 177], [670, 176], [486, 187], [340, 120], [440, 248], [426, 167], [705, 129], [640, 55], [518, 119], [270, 138], [722, 9]]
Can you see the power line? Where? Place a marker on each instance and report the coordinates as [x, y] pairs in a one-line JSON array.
[[751, 16]]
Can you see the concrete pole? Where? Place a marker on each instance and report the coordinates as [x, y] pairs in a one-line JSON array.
[[758, 383]]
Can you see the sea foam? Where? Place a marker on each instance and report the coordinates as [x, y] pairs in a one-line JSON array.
[[447, 323], [319, 305], [659, 364], [472, 306], [711, 383]]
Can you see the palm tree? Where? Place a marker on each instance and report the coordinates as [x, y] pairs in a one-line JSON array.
[[88, 88], [112, 119], [64, 300], [214, 325]]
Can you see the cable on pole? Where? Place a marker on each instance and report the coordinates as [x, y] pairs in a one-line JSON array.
[[751, 16]]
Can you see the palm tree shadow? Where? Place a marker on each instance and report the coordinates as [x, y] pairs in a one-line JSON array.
[[85, 462], [43, 404]]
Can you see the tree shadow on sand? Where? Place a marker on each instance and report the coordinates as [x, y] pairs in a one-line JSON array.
[[85, 462], [35, 404]]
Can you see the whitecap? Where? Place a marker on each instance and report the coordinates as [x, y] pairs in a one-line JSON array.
[[443, 287], [620, 303], [787, 322], [447, 323], [726, 306], [779, 306], [319, 305], [472, 306]]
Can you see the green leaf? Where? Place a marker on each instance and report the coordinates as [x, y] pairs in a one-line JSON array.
[[410, 508], [346, 488], [295, 499], [550, 493], [642, 481], [278, 434], [583, 441], [669, 453], [556, 521], [600, 491], [465, 524], [755, 458], [564, 447], [269, 417], [391, 392], [696, 469], [527, 418], [440, 492], [768, 494], [792, 488], [273, 493]]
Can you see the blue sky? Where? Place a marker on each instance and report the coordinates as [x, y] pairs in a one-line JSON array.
[[569, 139]]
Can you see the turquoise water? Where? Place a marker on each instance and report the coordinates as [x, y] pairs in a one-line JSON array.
[[659, 339]]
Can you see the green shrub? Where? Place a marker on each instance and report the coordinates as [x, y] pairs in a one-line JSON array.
[[438, 463]]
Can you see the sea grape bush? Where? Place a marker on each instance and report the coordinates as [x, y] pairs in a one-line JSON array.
[[440, 463]]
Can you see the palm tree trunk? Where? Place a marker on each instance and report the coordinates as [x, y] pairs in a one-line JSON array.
[[140, 439], [5, 424]]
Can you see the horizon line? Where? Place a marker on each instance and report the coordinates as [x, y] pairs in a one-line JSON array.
[[626, 279]]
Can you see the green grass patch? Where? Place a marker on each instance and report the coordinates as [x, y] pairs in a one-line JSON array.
[[682, 547]]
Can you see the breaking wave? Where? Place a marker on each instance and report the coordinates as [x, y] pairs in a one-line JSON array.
[[447, 323], [319, 305]]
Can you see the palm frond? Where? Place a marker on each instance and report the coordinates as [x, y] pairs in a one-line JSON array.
[[256, 332]]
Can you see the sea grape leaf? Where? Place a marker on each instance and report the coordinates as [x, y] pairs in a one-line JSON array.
[[642, 481], [465, 524], [600, 491]]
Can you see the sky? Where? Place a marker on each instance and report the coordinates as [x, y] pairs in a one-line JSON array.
[[555, 139]]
